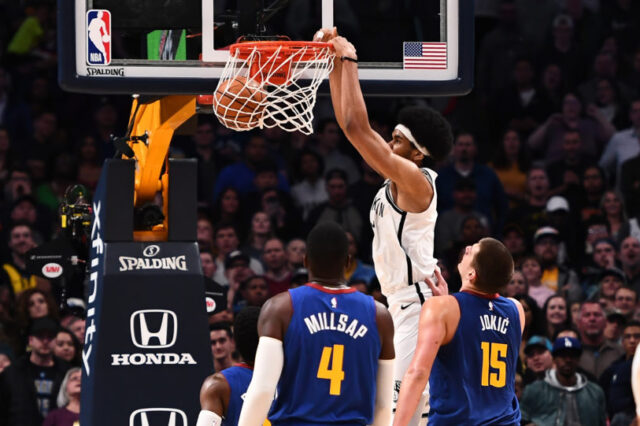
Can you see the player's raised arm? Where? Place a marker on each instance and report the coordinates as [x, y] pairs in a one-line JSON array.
[[267, 369], [438, 321], [351, 114]]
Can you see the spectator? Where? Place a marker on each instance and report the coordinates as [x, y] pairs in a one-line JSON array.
[[615, 323], [603, 257], [613, 210], [586, 201], [630, 260], [28, 387], [357, 270], [68, 400], [555, 276], [338, 208], [530, 214], [531, 316], [14, 271], [539, 359], [204, 233], [33, 304], [449, 222], [254, 291], [311, 190], [6, 356], [594, 130], [241, 175], [228, 208], [67, 347], [610, 281], [204, 141], [626, 300], [258, 235], [222, 345], [616, 380], [362, 194], [514, 241], [299, 277], [559, 217], [605, 68], [564, 396], [237, 271], [556, 316], [517, 285], [532, 271], [277, 273], [226, 241], [564, 173], [285, 220], [328, 138], [208, 264], [598, 354], [89, 163], [510, 165], [77, 326], [623, 146], [491, 200], [296, 249], [15, 116], [610, 102]]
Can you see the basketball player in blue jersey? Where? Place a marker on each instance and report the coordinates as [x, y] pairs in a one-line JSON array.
[[468, 347], [327, 347], [222, 393], [403, 214]]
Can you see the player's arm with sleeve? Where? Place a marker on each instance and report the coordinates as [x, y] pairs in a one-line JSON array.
[[384, 380], [269, 361], [438, 322], [214, 397]]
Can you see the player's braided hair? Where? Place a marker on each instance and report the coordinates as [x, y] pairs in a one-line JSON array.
[[245, 327], [429, 128]]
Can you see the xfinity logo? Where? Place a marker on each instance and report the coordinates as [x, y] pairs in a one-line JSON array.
[[164, 335], [150, 251], [158, 417], [153, 329], [174, 263]]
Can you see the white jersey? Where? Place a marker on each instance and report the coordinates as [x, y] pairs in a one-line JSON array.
[[403, 242]]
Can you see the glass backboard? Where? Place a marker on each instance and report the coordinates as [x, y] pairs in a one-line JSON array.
[[405, 47]]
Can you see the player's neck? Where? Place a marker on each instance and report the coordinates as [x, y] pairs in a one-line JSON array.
[[470, 288], [329, 282]]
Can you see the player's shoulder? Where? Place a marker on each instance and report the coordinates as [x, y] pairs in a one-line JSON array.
[[215, 385], [279, 303]]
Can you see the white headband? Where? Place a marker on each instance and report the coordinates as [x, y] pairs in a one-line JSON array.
[[407, 134]]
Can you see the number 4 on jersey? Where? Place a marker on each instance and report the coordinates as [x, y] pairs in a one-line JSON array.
[[335, 374]]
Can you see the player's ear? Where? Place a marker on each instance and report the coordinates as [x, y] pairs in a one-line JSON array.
[[472, 275], [417, 155]]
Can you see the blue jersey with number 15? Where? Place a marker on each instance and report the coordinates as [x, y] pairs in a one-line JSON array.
[[331, 351], [472, 381]]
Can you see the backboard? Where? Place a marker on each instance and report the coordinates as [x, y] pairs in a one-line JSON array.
[[405, 47]]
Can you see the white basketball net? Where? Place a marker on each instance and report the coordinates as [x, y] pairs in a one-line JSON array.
[[288, 105]]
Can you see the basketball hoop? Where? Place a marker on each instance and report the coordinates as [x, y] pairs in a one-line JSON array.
[[272, 83]]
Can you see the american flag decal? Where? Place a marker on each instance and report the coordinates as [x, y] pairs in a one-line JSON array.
[[425, 55]]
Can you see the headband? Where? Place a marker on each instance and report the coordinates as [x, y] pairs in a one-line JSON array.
[[407, 134]]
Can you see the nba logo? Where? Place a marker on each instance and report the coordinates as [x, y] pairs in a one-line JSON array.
[[98, 37]]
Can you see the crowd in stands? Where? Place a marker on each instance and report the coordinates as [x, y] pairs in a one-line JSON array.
[[546, 158]]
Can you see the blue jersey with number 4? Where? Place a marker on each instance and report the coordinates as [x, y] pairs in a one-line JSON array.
[[472, 381], [331, 352]]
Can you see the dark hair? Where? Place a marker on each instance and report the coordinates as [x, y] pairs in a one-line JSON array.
[[327, 250], [336, 173], [534, 328], [566, 325], [493, 264], [632, 323], [22, 307], [430, 129], [298, 162], [217, 208], [222, 325], [245, 326], [245, 283], [77, 357], [224, 225], [500, 158]]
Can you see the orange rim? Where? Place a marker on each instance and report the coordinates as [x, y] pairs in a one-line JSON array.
[[287, 48]]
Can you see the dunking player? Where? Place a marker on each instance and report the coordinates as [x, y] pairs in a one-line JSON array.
[[403, 214], [222, 393], [328, 347], [468, 346]]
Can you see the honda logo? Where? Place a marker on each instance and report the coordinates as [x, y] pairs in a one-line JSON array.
[[158, 417], [150, 251], [154, 328]]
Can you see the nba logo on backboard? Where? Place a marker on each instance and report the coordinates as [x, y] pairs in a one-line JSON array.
[[98, 37]]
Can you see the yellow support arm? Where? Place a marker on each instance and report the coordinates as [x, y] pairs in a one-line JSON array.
[[157, 120]]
